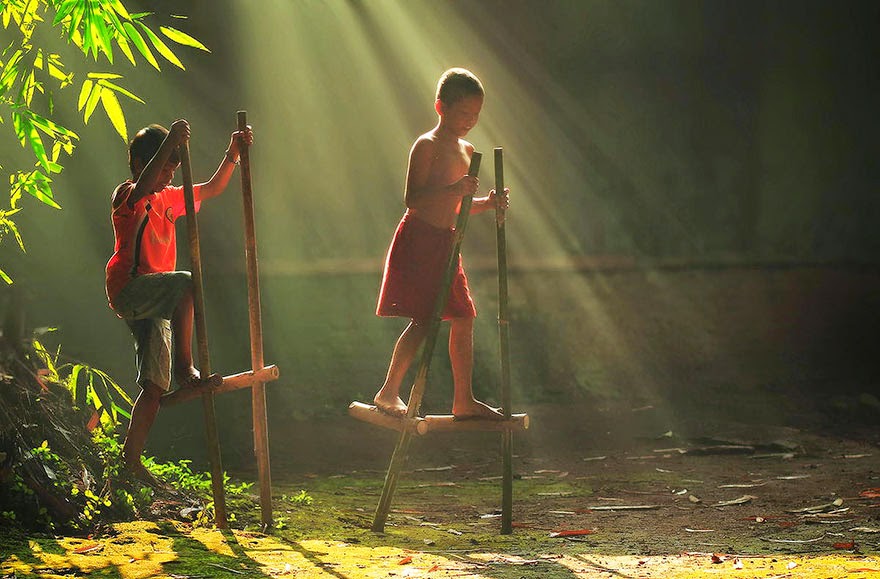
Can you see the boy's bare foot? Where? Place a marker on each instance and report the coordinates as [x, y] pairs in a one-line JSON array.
[[190, 378], [476, 410], [391, 406]]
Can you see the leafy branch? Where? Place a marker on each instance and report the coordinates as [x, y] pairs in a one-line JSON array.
[[31, 75]]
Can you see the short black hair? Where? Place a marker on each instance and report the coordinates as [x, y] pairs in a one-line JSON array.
[[456, 84], [145, 145]]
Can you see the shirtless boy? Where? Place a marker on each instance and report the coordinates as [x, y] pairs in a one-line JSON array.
[[436, 182]]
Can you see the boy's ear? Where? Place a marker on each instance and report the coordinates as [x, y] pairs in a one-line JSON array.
[[438, 106]]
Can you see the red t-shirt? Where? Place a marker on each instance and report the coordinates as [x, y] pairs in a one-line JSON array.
[[146, 240]]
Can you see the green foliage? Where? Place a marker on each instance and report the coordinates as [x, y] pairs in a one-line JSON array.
[[88, 386], [31, 73]]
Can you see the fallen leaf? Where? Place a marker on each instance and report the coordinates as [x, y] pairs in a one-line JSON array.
[[718, 558], [434, 568], [88, 548], [873, 493], [738, 501], [405, 561], [846, 545]]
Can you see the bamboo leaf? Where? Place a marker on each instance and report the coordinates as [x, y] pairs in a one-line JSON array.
[[94, 97], [40, 189], [84, 93], [120, 9], [75, 18], [126, 49], [103, 75], [139, 43], [161, 47], [182, 38], [119, 89], [5, 277], [114, 112]]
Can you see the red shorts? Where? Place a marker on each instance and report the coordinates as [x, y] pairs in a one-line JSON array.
[[414, 268]]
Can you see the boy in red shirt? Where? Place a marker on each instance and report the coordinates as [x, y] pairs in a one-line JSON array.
[[436, 181], [142, 285]]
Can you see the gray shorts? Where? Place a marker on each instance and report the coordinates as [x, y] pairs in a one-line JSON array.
[[147, 304]]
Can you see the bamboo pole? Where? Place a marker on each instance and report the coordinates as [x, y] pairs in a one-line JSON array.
[[398, 458], [504, 345], [258, 390], [192, 227]]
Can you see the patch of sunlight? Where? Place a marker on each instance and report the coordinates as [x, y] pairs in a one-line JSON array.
[[701, 566], [321, 559], [138, 551], [213, 540]]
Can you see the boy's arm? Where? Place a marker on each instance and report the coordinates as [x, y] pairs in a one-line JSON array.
[[220, 179], [146, 181], [418, 190], [491, 201]]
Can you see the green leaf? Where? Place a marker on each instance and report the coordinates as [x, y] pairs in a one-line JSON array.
[[41, 190], [111, 382], [139, 43], [78, 394], [28, 134], [63, 11], [114, 111], [161, 47], [101, 34], [182, 38], [5, 277]]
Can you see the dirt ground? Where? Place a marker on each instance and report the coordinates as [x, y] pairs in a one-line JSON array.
[[639, 483]]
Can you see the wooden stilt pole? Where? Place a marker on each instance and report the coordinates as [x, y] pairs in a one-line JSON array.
[[398, 458], [192, 227], [258, 389], [504, 344]]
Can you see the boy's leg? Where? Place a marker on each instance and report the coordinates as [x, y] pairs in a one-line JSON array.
[[461, 354], [388, 398], [182, 329], [143, 414]]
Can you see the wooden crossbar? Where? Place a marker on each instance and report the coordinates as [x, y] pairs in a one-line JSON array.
[[229, 383], [435, 422], [371, 414], [448, 423]]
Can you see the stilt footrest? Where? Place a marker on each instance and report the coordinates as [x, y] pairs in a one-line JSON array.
[[371, 414], [231, 382], [448, 423]]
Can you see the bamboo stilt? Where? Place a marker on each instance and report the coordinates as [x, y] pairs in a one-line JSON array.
[[398, 458], [258, 390], [504, 345], [201, 328]]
